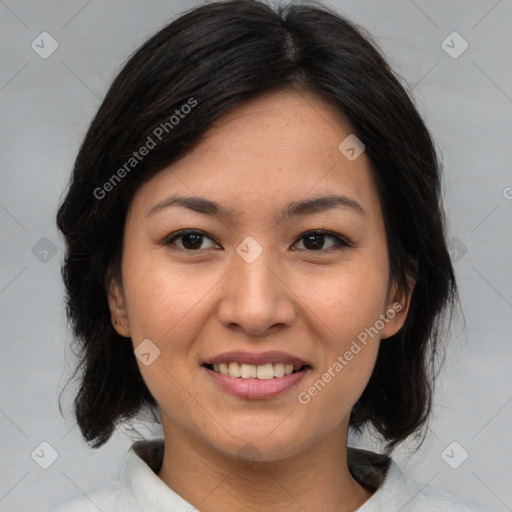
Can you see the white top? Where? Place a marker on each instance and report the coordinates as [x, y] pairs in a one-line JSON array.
[[139, 489]]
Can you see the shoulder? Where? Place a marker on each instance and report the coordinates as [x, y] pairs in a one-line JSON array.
[[432, 498], [394, 491], [106, 498], [401, 493]]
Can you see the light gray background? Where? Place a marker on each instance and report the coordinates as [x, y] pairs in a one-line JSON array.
[[46, 106]]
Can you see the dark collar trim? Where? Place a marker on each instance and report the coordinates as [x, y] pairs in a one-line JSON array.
[[368, 468]]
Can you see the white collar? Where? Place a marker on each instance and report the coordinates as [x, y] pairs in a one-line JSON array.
[[141, 488]]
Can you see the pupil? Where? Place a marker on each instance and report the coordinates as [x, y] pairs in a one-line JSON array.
[[318, 244], [195, 245]]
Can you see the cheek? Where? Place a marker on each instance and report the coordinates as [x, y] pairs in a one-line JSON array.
[[168, 305], [163, 298], [165, 305], [346, 300], [346, 304]]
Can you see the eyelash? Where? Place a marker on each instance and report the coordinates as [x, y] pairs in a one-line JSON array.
[[341, 242]]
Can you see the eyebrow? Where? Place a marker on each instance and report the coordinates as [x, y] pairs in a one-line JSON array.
[[292, 209]]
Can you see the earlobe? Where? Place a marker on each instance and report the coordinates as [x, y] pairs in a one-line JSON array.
[[118, 312]]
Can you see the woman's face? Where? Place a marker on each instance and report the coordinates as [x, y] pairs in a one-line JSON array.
[[253, 287]]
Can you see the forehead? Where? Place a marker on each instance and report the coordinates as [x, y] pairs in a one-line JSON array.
[[271, 150], [287, 126]]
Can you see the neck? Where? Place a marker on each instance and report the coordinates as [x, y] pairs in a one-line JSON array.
[[315, 479]]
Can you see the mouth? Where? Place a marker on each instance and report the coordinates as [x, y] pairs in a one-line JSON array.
[[251, 371], [256, 376]]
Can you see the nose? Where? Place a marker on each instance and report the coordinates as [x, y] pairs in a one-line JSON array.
[[255, 298]]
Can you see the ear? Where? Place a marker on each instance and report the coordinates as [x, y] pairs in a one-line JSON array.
[[397, 306], [118, 311]]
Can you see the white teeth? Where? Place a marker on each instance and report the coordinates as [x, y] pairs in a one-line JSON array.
[[234, 370], [278, 369], [248, 371], [252, 371], [265, 371]]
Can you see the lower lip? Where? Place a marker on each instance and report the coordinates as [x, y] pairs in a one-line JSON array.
[[256, 389]]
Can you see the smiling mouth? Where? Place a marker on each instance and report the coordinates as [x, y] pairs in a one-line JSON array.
[[251, 371]]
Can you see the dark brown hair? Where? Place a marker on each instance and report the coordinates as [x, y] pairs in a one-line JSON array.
[[220, 55]]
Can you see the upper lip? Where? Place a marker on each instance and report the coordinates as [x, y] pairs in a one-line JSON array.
[[260, 358]]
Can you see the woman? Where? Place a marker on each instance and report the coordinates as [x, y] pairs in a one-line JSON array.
[[256, 252]]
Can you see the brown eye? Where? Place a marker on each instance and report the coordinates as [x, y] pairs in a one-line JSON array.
[[314, 240], [191, 240]]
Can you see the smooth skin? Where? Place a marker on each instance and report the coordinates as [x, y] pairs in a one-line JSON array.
[[196, 297]]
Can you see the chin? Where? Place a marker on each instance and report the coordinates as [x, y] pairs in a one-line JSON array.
[[259, 447]]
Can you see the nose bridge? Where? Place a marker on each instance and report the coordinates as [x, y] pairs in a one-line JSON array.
[[254, 297], [252, 271]]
